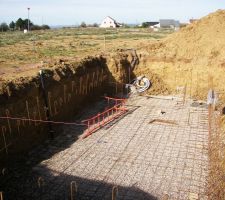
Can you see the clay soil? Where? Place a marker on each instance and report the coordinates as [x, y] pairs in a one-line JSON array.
[[193, 56]]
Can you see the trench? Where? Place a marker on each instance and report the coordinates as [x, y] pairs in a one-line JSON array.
[[68, 88]]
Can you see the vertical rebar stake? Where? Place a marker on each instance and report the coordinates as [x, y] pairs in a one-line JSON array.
[[28, 112], [189, 114], [114, 192], [3, 134], [38, 107], [40, 185], [9, 125], [73, 185], [1, 195]]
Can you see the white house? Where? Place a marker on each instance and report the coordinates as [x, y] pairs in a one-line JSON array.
[[109, 22]]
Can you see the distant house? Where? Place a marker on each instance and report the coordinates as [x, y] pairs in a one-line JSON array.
[[153, 25], [109, 22], [169, 23], [193, 20]]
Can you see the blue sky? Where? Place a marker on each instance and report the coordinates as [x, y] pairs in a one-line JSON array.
[[73, 12]]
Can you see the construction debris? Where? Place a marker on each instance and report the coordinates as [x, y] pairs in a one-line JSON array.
[[139, 85]]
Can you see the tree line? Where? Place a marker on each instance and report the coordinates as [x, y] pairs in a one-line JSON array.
[[21, 24]]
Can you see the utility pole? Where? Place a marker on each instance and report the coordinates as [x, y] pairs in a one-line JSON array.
[[28, 26]]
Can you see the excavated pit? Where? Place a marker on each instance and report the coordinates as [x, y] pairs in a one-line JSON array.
[[44, 168], [69, 86], [184, 160]]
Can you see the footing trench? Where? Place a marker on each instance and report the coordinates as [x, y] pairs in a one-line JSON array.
[[158, 150]]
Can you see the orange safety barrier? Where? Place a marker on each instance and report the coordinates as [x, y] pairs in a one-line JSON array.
[[101, 119]]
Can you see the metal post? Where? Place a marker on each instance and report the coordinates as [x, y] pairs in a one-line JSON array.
[[28, 26], [51, 132]]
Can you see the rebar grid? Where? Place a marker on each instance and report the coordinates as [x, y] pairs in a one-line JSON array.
[[145, 161]]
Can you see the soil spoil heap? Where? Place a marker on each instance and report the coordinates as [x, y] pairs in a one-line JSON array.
[[201, 42]]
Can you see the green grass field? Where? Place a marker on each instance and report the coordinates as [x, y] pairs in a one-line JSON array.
[[17, 48]]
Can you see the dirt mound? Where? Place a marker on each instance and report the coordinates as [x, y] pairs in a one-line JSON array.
[[201, 42], [189, 57]]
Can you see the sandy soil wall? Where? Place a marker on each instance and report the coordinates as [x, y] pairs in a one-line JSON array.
[[68, 87]]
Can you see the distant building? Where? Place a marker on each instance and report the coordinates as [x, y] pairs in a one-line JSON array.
[[169, 23], [109, 22], [193, 20], [151, 24]]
